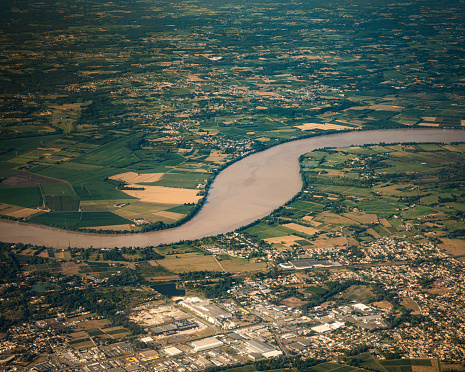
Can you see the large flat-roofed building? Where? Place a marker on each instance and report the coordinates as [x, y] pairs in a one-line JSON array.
[[179, 326], [206, 343], [262, 348], [172, 351], [206, 310], [328, 327]]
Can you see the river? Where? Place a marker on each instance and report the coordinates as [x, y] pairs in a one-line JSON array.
[[243, 192]]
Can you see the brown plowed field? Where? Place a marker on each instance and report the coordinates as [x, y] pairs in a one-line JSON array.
[[26, 178]]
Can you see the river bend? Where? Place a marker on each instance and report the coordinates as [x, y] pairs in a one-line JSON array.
[[242, 193]]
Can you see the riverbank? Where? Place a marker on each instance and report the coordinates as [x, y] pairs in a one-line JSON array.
[[243, 192]]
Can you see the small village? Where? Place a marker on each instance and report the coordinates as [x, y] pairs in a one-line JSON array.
[[189, 333]]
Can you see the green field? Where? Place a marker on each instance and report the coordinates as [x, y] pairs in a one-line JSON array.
[[80, 219], [115, 154], [183, 180], [99, 191], [27, 196], [316, 290], [181, 209], [264, 231], [60, 197]]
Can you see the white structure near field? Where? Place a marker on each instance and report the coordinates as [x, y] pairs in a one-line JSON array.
[[362, 307], [172, 351], [328, 327], [206, 343]]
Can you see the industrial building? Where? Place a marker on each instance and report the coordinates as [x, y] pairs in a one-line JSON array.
[[172, 351], [172, 328], [259, 347], [206, 343], [206, 310], [328, 327]]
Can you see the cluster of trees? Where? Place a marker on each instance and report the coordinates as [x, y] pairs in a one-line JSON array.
[[213, 289], [126, 277], [117, 254], [297, 363], [200, 275], [333, 289]]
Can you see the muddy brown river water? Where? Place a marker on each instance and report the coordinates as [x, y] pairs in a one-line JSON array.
[[243, 192]]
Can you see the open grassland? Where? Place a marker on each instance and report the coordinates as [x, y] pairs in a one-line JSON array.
[[26, 196], [264, 231], [284, 241], [15, 211], [300, 228], [80, 219], [188, 180], [60, 197], [240, 265], [185, 262]]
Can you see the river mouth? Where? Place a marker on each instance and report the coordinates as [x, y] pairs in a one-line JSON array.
[[242, 193]]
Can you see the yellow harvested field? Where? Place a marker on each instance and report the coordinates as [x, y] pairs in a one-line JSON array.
[[338, 242], [271, 94], [362, 217], [285, 240], [311, 220], [455, 247], [194, 78], [429, 118], [357, 108], [300, 228], [385, 222], [429, 124], [171, 215], [452, 148], [189, 262], [310, 126], [373, 233], [21, 213], [162, 194], [234, 265], [322, 243], [383, 305], [328, 217], [216, 156], [410, 304], [326, 242], [133, 177], [462, 123]]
